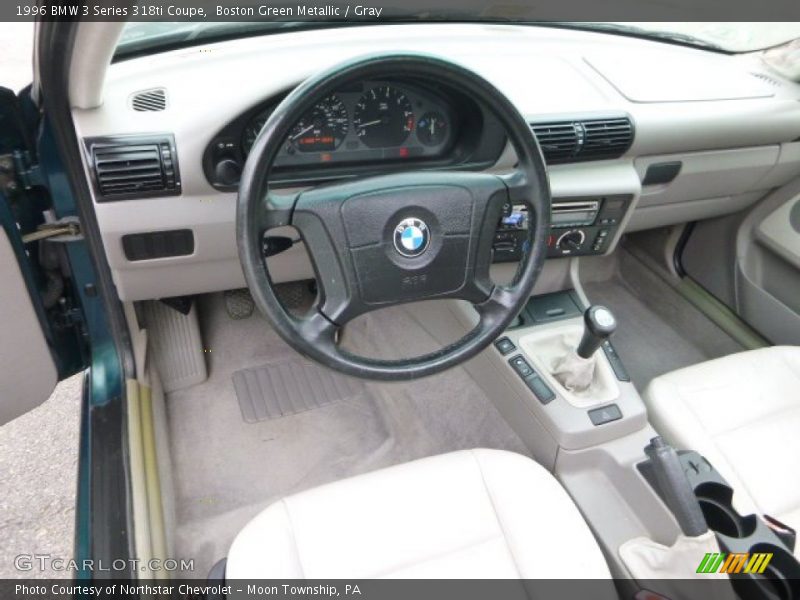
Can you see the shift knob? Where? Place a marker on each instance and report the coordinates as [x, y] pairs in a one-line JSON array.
[[599, 324]]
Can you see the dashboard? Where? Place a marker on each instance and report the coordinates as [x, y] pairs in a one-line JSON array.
[[370, 124], [712, 134]]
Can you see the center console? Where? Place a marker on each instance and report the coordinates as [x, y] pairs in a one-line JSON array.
[[549, 329], [580, 226]]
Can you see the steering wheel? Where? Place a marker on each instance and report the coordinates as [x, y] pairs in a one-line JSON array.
[[385, 240]]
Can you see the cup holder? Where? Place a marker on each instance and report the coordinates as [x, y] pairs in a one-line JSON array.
[[739, 535], [715, 502], [722, 519], [781, 578]]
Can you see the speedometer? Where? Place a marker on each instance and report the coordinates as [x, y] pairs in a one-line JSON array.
[[383, 117], [323, 128], [252, 130]]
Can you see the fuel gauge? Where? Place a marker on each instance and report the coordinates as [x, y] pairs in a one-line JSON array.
[[432, 129]]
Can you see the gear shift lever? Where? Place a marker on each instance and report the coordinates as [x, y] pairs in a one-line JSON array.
[[599, 325], [575, 369]]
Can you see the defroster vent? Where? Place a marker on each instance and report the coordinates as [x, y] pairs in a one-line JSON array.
[[128, 167], [154, 100]]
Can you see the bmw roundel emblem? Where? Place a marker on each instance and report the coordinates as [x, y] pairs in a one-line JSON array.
[[411, 237]]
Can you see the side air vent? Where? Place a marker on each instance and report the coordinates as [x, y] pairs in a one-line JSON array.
[[128, 167], [585, 139], [149, 100]]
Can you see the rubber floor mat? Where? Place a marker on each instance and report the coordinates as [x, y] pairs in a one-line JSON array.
[[288, 388]]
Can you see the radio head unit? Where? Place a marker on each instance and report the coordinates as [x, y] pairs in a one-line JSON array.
[[579, 227], [574, 214]]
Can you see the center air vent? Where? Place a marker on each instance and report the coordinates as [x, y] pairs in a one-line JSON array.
[[606, 138], [585, 139], [559, 141], [149, 100], [128, 167]]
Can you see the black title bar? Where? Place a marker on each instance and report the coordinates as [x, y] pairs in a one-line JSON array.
[[201, 11]]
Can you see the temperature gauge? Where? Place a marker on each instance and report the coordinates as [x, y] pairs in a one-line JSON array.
[[432, 129]]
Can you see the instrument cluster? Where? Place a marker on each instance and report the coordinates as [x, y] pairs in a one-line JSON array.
[[367, 128], [371, 121]]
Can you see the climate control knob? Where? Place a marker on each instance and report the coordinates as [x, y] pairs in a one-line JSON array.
[[571, 240]]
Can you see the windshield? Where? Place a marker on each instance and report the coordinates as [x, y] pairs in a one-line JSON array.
[[730, 37], [147, 37]]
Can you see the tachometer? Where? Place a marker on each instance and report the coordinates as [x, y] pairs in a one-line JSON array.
[[322, 129], [383, 117]]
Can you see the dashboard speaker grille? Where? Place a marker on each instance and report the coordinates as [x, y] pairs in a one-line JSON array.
[[149, 100], [129, 167], [584, 139]]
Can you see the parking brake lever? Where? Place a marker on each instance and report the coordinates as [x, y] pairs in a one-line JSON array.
[[674, 487]]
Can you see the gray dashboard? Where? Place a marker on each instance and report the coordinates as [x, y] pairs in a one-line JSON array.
[[730, 123]]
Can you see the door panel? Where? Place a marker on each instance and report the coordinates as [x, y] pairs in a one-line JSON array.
[[780, 231], [769, 272], [27, 371], [41, 334], [751, 262]]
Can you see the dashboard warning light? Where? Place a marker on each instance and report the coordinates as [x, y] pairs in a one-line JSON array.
[[403, 152]]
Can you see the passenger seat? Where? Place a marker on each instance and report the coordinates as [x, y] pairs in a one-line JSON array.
[[742, 412]]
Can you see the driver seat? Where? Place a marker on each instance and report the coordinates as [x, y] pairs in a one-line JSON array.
[[467, 514]]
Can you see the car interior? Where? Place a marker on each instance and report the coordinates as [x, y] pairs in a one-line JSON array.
[[452, 300]]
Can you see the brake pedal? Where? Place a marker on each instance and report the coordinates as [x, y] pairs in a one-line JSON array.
[[239, 303]]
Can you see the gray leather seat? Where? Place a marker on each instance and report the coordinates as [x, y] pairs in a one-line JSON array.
[[468, 514], [742, 412]]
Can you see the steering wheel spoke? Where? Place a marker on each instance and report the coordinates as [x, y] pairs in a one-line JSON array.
[[319, 330], [275, 209], [518, 186], [496, 307], [316, 222]]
